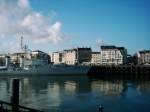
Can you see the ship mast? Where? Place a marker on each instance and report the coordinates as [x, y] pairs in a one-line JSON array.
[[21, 43], [23, 47]]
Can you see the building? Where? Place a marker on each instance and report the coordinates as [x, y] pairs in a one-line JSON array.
[[96, 58], [57, 57], [83, 55], [112, 55], [143, 57], [132, 60], [72, 56]]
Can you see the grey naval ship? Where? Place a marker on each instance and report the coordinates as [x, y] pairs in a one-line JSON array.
[[28, 64], [40, 67]]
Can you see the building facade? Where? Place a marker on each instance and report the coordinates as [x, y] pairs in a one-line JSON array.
[[57, 57], [73, 56], [70, 57], [96, 58], [112, 55], [84, 55], [143, 57]]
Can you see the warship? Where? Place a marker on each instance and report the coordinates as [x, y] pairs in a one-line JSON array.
[[40, 67], [36, 66]]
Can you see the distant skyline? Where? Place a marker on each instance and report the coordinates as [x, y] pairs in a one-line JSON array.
[[54, 25]]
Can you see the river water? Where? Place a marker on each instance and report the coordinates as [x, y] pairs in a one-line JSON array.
[[79, 94]]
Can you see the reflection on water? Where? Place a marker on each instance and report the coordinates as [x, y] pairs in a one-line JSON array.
[[79, 94]]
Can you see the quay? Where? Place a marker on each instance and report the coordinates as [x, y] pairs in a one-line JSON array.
[[119, 71]]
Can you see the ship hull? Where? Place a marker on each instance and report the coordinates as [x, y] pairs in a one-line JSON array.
[[49, 70]]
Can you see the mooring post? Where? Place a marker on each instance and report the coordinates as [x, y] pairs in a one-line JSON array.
[[15, 95]]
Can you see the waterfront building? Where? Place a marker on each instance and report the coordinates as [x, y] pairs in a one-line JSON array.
[[57, 57], [143, 57], [77, 56], [131, 60], [96, 58], [72, 56], [83, 55], [112, 55]]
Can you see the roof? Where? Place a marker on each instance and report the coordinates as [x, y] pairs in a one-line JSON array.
[[144, 51], [84, 48], [96, 52], [112, 47], [78, 48]]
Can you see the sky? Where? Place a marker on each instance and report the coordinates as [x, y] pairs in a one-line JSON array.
[[54, 25]]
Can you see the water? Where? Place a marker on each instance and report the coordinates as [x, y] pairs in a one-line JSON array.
[[79, 94]]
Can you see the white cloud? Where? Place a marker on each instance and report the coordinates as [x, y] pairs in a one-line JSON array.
[[17, 17], [23, 3], [100, 42]]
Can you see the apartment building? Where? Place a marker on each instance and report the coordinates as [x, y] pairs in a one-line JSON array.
[[143, 57], [72, 56], [112, 55], [84, 55], [96, 58], [57, 57]]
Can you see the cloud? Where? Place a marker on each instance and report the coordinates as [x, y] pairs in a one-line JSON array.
[[18, 17], [100, 42], [23, 3]]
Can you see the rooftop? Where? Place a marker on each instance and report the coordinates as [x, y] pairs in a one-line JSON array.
[[144, 51], [112, 47]]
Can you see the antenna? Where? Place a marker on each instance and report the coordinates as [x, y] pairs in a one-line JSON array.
[[24, 48], [21, 43]]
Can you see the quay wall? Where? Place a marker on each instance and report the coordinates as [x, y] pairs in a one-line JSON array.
[[120, 71]]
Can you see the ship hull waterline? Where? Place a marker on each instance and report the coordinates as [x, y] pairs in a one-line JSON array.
[[48, 71]]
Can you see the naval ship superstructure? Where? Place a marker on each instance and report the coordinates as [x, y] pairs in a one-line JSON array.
[[39, 67]]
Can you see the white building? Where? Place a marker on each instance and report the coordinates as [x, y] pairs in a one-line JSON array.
[[113, 55], [143, 57], [57, 57], [72, 56], [96, 58], [65, 57]]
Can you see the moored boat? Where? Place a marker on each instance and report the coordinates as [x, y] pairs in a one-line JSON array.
[[40, 67]]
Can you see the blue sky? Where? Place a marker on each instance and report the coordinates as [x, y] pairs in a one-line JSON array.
[[84, 22]]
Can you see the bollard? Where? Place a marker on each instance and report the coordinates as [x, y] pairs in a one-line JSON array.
[[15, 95]]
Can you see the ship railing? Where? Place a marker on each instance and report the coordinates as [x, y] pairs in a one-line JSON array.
[[9, 107]]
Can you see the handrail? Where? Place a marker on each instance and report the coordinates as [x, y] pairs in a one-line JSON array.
[[19, 106]]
